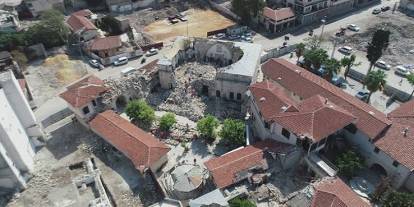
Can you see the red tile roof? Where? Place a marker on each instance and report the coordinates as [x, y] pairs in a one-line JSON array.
[[316, 119], [106, 43], [271, 99], [333, 192], [83, 91], [395, 142], [140, 147], [76, 23], [278, 14], [306, 84], [226, 168]]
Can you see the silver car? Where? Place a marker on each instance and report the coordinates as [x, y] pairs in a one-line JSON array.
[[381, 64]]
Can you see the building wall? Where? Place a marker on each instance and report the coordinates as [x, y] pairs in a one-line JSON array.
[[398, 174], [10, 176], [340, 7], [13, 136], [409, 183], [157, 165], [226, 87], [89, 34]]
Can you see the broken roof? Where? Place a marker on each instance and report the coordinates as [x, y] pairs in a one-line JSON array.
[[334, 192], [226, 168], [140, 147], [316, 119], [83, 91], [106, 43], [306, 84], [278, 14]]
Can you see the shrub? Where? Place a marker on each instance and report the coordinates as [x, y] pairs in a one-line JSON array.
[[167, 121], [206, 127], [348, 163], [139, 111], [233, 132]]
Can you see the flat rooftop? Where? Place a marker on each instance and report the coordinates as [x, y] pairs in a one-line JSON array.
[[248, 63]]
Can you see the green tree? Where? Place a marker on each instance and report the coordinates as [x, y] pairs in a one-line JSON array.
[[378, 44], [246, 9], [51, 30], [375, 80], [313, 42], [315, 58], [20, 58], [110, 24], [167, 121], [300, 49], [400, 199], [348, 162], [348, 63], [9, 41], [410, 79], [206, 127], [332, 67], [238, 202], [233, 132], [140, 112]]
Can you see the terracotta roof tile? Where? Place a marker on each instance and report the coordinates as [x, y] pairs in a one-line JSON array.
[[140, 147], [106, 43], [224, 169], [305, 84], [278, 14], [333, 192], [76, 23], [83, 91], [83, 13]]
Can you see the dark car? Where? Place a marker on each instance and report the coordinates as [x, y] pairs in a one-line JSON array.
[[385, 8], [376, 11], [362, 95], [338, 81]]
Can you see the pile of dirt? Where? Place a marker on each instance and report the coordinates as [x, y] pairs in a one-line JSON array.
[[401, 41]]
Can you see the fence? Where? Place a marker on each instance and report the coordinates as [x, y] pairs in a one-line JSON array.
[[277, 52]]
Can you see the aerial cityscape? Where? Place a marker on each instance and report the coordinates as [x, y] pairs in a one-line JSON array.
[[206, 103]]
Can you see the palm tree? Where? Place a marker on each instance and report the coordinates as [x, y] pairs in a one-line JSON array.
[[315, 57], [375, 80], [410, 79], [300, 49], [332, 67], [348, 63]]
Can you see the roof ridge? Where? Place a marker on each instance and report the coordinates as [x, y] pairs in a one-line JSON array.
[[232, 161]]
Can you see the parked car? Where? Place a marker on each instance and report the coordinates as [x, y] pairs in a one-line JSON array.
[[381, 64], [220, 35], [338, 81], [234, 37], [376, 11], [174, 21], [353, 27], [121, 61], [362, 95], [182, 18], [402, 71], [151, 52], [345, 50], [94, 63], [385, 8]]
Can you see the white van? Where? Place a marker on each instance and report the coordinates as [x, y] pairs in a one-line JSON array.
[[121, 61], [126, 71]]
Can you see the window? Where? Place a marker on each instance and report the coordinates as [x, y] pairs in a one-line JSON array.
[[395, 163], [85, 110], [285, 133], [376, 150], [238, 96], [217, 93], [93, 102], [267, 126], [231, 95]]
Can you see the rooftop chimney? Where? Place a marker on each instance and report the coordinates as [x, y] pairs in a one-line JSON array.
[[405, 131], [262, 99]]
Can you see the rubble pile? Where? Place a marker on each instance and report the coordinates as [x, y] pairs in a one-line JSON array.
[[134, 86], [184, 99]]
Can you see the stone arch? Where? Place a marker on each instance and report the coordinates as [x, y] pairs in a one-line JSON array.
[[379, 169]]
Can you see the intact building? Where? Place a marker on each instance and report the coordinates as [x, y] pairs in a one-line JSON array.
[[18, 132]]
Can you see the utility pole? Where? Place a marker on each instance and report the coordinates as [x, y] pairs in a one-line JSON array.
[[323, 26], [334, 47]]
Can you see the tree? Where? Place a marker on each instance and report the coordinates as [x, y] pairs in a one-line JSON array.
[[246, 9], [348, 63], [51, 30], [378, 44], [315, 58], [410, 79], [348, 162], [140, 112], [400, 199], [206, 127], [375, 81], [110, 24], [300, 49], [233, 132], [20, 58], [313, 42], [332, 67], [238, 202], [167, 121]]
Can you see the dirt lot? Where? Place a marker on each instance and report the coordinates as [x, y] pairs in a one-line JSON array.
[[47, 77], [199, 23]]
